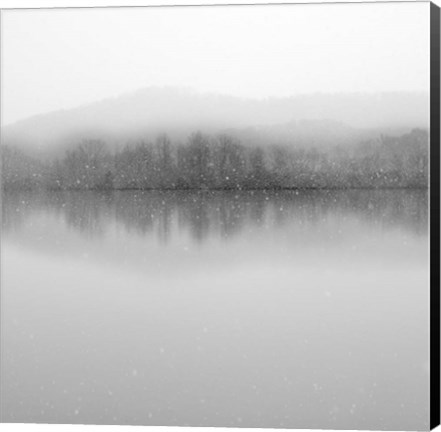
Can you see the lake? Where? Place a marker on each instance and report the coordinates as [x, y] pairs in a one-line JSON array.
[[296, 309]]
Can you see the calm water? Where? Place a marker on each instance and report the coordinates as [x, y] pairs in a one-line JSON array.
[[306, 310]]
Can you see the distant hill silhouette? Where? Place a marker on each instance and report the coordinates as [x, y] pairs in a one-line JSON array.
[[314, 119]]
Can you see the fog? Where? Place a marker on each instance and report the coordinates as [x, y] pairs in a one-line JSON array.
[[61, 59], [216, 216], [307, 120]]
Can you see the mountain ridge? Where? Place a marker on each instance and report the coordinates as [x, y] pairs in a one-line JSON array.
[[180, 111]]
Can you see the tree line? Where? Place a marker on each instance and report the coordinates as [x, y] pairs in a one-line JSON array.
[[222, 163]]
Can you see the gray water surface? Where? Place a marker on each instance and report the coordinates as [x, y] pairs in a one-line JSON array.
[[243, 309]]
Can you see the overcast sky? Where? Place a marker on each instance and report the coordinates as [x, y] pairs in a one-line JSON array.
[[54, 59]]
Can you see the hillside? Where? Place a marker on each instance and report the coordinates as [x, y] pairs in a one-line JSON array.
[[314, 119]]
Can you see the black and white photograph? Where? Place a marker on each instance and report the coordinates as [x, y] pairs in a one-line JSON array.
[[217, 215]]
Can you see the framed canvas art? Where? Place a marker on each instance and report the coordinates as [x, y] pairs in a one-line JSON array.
[[221, 215]]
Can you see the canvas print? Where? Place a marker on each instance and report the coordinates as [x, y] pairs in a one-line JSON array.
[[216, 216]]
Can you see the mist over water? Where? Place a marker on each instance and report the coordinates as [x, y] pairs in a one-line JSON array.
[[302, 309], [216, 216]]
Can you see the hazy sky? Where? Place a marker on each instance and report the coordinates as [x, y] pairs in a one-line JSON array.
[[59, 59]]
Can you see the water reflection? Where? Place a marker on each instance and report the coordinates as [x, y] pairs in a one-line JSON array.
[[224, 214], [291, 309]]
